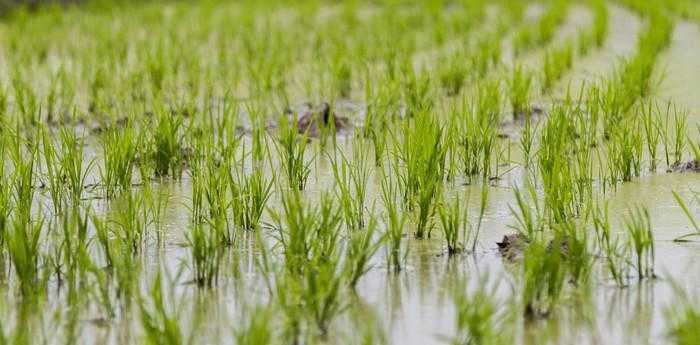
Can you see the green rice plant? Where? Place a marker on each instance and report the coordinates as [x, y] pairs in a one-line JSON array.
[[682, 317], [488, 54], [416, 92], [555, 164], [22, 245], [394, 222], [361, 247], [519, 92], [680, 121], [543, 31], [422, 155], [652, 131], [478, 131], [205, 255], [614, 252], [119, 152], [351, 184], [557, 61], [529, 220], [166, 147], [544, 276], [641, 240], [478, 320], [309, 237], [453, 73], [54, 180], [576, 249], [291, 148], [688, 213], [160, 317], [600, 21], [252, 195], [483, 203], [455, 227], [625, 152], [73, 165], [132, 220], [257, 327]]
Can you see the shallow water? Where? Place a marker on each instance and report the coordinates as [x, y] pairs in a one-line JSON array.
[[414, 307]]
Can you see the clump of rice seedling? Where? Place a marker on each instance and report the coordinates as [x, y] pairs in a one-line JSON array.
[[119, 151], [544, 277], [422, 153], [641, 240], [416, 92], [614, 252], [205, 255], [362, 245], [652, 131], [477, 314], [625, 152], [394, 222], [291, 147], [556, 63], [132, 221], [160, 318], [519, 92], [308, 237], [453, 73], [600, 21], [529, 220], [683, 318], [251, 196], [257, 328], [543, 31], [453, 217], [166, 152], [22, 245], [478, 131], [351, 183]]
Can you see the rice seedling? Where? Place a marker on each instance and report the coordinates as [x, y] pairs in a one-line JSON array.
[[529, 220], [544, 277], [680, 121], [625, 153], [477, 132], [361, 247], [351, 183], [683, 317], [394, 223], [166, 150], [160, 318], [205, 255], [453, 73], [478, 319], [652, 132], [257, 328], [519, 92], [453, 218], [686, 210], [119, 151], [253, 197], [600, 22], [422, 154], [556, 62], [22, 245], [543, 31], [291, 147], [641, 240], [614, 252]]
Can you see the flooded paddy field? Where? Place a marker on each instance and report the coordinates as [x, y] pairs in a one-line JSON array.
[[355, 172]]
